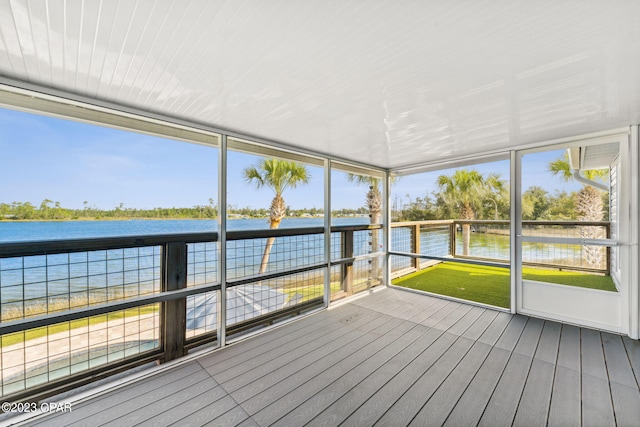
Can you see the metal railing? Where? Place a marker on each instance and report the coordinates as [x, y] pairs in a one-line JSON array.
[[415, 245], [78, 310]]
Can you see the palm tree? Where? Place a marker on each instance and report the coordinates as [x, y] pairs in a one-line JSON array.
[[464, 191], [278, 175], [373, 201], [589, 205], [373, 198]]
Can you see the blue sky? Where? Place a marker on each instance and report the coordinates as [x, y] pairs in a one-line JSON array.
[[534, 173], [70, 162]]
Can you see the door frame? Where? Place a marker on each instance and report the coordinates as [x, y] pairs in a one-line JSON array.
[[585, 307]]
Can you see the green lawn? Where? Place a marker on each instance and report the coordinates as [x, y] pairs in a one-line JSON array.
[[31, 334], [491, 285]]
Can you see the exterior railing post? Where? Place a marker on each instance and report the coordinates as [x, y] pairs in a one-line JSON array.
[[174, 313], [346, 251], [415, 245], [452, 239]]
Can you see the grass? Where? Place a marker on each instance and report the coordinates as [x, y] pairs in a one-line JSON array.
[[491, 285], [18, 337], [307, 293]]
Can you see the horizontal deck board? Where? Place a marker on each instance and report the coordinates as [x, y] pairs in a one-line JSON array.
[[261, 392], [234, 355], [389, 358], [503, 405], [536, 397], [154, 386], [334, 384], [424, 391], [566, 392], [597, 407], [257, 368], [394, 389], [624, 392], [434, 340], [632, 348]]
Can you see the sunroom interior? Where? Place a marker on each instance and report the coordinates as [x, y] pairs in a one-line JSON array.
[[367, 96]]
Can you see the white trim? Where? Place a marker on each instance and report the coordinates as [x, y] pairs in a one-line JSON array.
[[33, 94], [221, 315], [259, 149], [515, 229], [357, 170], [634, 259], [86, 113], [581, 300], [386, 221], [453, 163], [575, 304], [327, 232], [570, 241], [502, 154]]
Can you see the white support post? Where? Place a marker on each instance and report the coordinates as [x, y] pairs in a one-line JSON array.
[[634, 256], [386, 220], [515, 229], [327, 232], [222, 242]]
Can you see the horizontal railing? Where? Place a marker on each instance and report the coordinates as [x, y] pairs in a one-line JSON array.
[[77, 310], [421, 243]]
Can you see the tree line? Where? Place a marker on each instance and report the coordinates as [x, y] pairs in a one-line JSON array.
[[49, 210], [537, 204]]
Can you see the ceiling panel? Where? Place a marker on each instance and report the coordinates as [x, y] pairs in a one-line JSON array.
[[386, 83]]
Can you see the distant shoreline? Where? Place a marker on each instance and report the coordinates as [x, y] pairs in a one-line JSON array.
[[7, 220], [107, 219]]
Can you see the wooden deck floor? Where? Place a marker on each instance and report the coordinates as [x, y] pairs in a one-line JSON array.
[[391, 358]]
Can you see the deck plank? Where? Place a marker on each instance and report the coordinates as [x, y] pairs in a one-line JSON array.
[[305, 401], [280, 333], [231, 356], [153, 386], [223, 412], [376, 386], [438, 407], [408, 408], [597, 407], [389, 358], [274, 350], [534, 405], [566, 392], [429, 311], [265, 390], [247, 374], [633, 352], [137, 410], [392, 391], [355, 384], [212, 400], [475, 398], [503, 405], [624, 390]]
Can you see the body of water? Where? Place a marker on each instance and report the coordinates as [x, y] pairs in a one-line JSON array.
[[24, 231], [137, 270], [41, 277]]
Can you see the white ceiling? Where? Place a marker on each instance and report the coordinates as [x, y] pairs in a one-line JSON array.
[[388, 83]]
